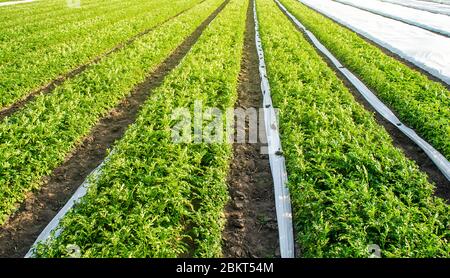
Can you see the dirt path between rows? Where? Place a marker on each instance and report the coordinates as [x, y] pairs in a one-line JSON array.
[[400, 140], [251, 229], [22, 229], [49, 87]]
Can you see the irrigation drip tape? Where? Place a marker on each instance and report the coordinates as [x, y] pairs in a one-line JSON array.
[[15, 2], [438, 159], [277, 161], [431, 6]]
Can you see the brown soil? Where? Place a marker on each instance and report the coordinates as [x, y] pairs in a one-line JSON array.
[[8, 111], [390, 54], [417, 8], [21, 230], [251, 229], [400, 140]]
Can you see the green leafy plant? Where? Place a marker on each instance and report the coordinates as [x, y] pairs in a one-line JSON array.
[[350, 187]]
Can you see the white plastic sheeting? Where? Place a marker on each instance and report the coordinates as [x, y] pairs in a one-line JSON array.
[[433, 22], [438, 159], [276, 159], [423, 5], [447, 2], [15, 2], [425, 49]]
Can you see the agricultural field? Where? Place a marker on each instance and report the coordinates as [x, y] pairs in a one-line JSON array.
[[420, 102], [147, 129]]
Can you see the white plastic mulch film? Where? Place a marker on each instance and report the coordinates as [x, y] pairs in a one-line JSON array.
[[425, 49], [433, 22], [439, 7], [438, 159], [276, 159], [15, 2]]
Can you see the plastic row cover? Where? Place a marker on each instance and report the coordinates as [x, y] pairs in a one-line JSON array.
[[433, 22], [425, 49], [429, 6]]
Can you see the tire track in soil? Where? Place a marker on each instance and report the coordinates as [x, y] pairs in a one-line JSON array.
[[399, 139], [49, 87], [251, 229], [23, 227]]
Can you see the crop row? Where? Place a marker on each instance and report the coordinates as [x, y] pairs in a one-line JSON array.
[[55, 22], [157, 198], [36, 139], [44, 11], [31, 60], [350, 186], [419, 102]]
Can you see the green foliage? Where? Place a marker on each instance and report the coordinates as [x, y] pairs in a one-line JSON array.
[[35, 140], [157, 198], [52, 39], [419, 102], [350, 186]]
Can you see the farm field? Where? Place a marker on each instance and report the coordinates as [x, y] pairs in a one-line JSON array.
[[72, 39], [94, 100], [340, 161], [47, 129]]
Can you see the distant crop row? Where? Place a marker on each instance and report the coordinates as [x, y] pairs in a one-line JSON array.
[[35, 52], [350, 186], [37, 139], [421, 103], [45, 12], [156, 198]]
